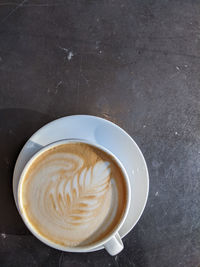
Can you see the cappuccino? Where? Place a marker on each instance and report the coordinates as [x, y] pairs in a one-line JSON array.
[[74, 194]]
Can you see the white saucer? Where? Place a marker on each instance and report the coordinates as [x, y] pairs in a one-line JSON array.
[[104, 133]]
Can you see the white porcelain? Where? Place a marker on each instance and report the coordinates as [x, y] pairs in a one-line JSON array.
[[112, 243], [101, 132]]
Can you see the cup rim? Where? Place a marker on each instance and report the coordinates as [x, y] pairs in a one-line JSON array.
[[34, 231]]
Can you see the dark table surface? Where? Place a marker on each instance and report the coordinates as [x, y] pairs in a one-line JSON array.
[[136, 63]]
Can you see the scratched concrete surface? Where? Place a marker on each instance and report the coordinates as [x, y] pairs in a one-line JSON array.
[[136, 63]]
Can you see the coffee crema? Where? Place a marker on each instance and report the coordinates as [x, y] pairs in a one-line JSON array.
[[74, 194]]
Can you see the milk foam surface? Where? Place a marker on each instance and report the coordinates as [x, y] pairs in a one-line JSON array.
[[70, 193]]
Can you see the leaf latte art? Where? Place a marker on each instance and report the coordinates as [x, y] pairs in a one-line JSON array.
[[78, 198], [70, 192]]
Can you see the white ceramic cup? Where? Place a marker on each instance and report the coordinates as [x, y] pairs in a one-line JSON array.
[[112, 243]]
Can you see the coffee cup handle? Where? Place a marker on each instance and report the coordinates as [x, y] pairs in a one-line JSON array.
[[114, 245]]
